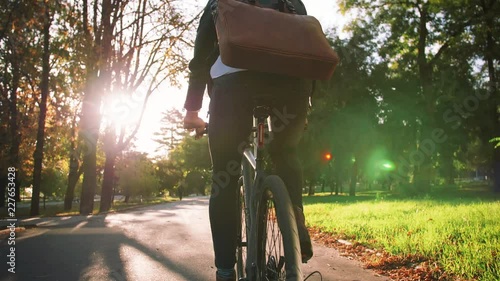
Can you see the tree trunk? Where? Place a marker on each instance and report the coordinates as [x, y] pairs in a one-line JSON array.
[[354, 179], [492, 88], [91, 119], [74, 175], [13, 123], [3, 186], [109, 172], [74, 166], [423, 161], [311, 188], [447, 164], [40, 138], [89, 134], [423, 176], [107, 183]]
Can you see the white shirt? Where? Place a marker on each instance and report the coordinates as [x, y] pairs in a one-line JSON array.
[[219, 68]]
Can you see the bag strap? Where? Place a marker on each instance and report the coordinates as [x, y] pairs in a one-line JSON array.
[[281, 5], [289, 6]]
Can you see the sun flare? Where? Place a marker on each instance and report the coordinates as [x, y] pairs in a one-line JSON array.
[[122, 110]]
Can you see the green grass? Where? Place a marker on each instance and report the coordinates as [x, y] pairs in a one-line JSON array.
[[459, 229], [58, 209]]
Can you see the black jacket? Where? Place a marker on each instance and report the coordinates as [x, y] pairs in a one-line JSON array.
[[206, 51]]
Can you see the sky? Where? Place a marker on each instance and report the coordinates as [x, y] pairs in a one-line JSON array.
[[325, 11]]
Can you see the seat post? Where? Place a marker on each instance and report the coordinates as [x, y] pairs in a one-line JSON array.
[[261, 113]]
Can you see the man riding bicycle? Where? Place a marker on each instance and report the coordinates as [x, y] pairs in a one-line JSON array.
[[233, 95]]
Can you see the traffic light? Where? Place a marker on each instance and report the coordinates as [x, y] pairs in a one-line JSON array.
[[327, 156]]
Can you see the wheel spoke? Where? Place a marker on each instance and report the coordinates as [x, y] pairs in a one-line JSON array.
[[275, 269], [275, 260]]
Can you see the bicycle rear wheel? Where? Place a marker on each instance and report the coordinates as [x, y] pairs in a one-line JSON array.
[[278, 248]]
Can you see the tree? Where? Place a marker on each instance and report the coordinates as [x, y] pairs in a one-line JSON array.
[[136, 176], [186, 155], [44, 88], [191, 156], [344, 115], [73, 46], [168, 174], [21, 53], [488, 30], [194, 183], [171, 131], [162, 45], [18, 32], [417, 43], [97, 63], [75, 170], [53, 182], [96, 47]]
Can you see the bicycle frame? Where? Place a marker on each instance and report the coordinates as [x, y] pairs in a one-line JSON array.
[[253, 160], [253, 172]]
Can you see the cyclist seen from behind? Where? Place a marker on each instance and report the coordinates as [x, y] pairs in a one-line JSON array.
[[233, 95]]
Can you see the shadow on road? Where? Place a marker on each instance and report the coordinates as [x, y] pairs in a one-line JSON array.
[[91, 249]]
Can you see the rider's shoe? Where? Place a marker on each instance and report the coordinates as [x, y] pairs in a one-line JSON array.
[[219, 278], [304, 238]]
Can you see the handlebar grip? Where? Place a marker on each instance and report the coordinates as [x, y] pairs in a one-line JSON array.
[[204, 132], [206, 129]]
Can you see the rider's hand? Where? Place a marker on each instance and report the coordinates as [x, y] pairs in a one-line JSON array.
[[193, 122]]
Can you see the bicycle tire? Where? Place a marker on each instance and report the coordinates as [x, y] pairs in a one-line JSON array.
[[241, 246], [278, 248]]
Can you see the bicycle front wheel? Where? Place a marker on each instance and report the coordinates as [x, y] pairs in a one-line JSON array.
[[278, 248], [241, 246]]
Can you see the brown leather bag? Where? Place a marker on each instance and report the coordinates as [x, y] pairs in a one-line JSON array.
[[267, 40]]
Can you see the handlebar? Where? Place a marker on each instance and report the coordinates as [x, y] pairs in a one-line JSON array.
[[201, 133]]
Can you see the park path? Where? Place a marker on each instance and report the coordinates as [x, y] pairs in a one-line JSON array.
[[165, 242]]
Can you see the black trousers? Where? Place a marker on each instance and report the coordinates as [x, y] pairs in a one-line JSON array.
[[233, 98]]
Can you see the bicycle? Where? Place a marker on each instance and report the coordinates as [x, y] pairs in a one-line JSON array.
[[268, 246]]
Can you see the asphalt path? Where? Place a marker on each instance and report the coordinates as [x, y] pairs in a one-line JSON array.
[[166, 242]]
